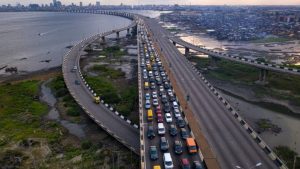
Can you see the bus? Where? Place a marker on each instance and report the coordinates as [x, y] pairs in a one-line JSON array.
[[191, 145]]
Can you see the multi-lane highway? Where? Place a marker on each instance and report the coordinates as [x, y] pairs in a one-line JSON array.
[[230, 142], [109, 121], [153, 69]]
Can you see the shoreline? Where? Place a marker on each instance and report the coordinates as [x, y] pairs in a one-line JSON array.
[[42, 74]]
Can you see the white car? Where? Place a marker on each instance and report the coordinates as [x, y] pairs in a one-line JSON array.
[[161, 129], [168, 163], [168, 118], [170, 92], [177, 113], [155, 102], [154, 95]]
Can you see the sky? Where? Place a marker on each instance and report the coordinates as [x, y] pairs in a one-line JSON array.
[[182, 2]]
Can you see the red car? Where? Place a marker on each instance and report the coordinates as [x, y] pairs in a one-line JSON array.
[[159, 118], [185, 164]]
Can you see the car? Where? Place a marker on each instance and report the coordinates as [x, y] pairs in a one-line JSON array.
[[172, 98], [197, 165], [159, 82], [177, 113], [147, 104], [167, 108], [170, 92], [175, 105], [162, 74], [156, 72], [77, 82], [167, 85], [161, 69], [178, 147], [159, 118], [151, 80], [180, 122], [164, 98], [152, 86], [168, 117], [147, 96], [154, 95], [173, 130], [164, 79], [161, 89], [184, 133], [185, 164], [158, 109], [168, 163], [155, 102], [161, 129], [153, 153], [75, 68], [164, 144], [150, 132]]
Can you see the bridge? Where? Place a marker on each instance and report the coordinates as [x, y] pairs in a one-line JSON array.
[[102, 115], [224, 138], [263, 66]]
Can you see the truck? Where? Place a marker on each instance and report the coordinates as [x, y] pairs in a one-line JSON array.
[[97, 99], [191, 145]]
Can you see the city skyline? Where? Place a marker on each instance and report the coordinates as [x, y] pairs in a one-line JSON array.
[[156, 2]]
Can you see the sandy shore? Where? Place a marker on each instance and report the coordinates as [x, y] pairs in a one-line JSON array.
[[36, 75]]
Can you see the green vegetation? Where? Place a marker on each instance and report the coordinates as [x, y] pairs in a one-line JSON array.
[[21, 112], [108, 72], [107, 85], [60, 90], [280, 87], [114, 51], [287, 155], [173, 29], [271, 40]]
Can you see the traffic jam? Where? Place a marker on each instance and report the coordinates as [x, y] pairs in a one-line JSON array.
[[169, 143]]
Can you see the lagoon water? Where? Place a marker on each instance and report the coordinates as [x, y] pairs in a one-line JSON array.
[[38, 40]]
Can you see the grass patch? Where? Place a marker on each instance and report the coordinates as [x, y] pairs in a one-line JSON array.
[[108, 72], [21, 113], [60, 90], [287, 155], [123, 97], [113, 51], [280, 87], [272, 40]]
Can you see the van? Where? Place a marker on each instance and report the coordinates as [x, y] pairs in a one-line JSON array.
[[161, 129], [175, 105], [191, 145], [168, 163], [146, 85], [150, 115]]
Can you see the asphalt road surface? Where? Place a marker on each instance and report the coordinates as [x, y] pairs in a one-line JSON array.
[[113, 124], [230, 142], [156, 141]]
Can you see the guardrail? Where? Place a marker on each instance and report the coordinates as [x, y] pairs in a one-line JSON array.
[[245, 125], [92, 93], [262, 65]]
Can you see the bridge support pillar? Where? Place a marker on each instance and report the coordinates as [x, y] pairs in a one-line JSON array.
[[187, 51], [213, 62], [262, 78], [118, 35]]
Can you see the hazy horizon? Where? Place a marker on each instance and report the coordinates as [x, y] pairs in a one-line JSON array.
[[163, 2]]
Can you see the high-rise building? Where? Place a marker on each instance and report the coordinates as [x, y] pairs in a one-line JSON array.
[[98, 3], [80, 4]]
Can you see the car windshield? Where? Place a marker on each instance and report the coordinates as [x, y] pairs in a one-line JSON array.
[[168, 163]]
